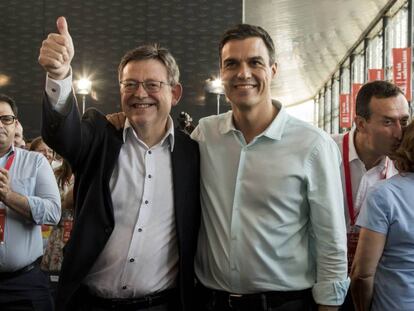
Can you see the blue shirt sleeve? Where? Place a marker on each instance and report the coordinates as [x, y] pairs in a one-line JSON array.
[[45, 201], [374, 214], [328, 224]]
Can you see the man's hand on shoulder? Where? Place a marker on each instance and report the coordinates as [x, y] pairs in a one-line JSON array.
[[57, 51], [116, 119]]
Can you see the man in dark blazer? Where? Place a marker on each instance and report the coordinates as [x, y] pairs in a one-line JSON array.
[[136, 189]]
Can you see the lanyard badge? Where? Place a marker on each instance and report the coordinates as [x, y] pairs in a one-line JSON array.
[[9, 163]]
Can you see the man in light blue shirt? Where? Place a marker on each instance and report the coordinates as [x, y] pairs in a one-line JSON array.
[[29, 197], [273, 231]]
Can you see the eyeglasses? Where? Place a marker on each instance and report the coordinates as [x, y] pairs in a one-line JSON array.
[[7, 119], [150, 86]]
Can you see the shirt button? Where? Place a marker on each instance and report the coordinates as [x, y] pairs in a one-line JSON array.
[[124, 287], [149, 176], [132, 260], [140, 230], [146, 202], [149, 151]]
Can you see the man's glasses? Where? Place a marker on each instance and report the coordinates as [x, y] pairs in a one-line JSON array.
[[150, 86], [7, 119]]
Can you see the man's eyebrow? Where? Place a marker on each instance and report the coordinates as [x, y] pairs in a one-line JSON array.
[[256, 58], [229, 59]]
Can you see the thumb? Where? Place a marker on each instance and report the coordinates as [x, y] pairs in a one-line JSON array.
[[62, 26]]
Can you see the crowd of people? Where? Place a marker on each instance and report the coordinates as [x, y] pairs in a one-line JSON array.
[[250, 210]]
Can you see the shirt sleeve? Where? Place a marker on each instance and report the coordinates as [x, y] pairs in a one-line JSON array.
[[196, 134], [374, 214], [328, 224], [58, 92], [45, 202]]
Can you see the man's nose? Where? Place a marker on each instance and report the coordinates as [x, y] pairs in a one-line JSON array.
[[244, 71], [140, 91], [398, 130]]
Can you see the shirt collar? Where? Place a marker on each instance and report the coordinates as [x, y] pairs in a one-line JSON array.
[[167, 138], [273, 131], [353, 155]]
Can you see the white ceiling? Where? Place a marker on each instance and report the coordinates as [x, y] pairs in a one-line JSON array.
[[311, 38]]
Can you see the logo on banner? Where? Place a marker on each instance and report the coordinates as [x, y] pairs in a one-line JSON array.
[[375, 74], [344, 111], [402, 69]]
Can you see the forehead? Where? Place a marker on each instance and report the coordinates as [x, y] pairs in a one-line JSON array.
[[244, 49], [5, 109], [393, 107], [148, 69]]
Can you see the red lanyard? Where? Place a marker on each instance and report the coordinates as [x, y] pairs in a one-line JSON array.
[[347, 173], [9, 162]]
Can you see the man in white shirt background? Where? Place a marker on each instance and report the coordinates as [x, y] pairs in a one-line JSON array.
[[382, 112]]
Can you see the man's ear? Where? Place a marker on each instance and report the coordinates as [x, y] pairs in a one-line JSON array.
[[177, 91], [360, 123], [274, 70]]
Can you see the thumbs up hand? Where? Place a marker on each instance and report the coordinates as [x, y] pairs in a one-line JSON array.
[[57, 51]]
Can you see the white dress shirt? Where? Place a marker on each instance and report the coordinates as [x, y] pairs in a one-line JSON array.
[[361, 179], [141, 255], [272, 213]]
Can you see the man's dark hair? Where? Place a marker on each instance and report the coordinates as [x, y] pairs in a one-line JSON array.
[[7, 99], [244, 31], [152, 51], [377, 89]]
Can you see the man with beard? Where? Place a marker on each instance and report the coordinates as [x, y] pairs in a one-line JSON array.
[[29, 198]]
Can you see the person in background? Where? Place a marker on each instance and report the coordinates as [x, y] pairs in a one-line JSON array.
[[39, 145], [382, 112], [29, 198], [60, 234], [383, 270], [18, 136]]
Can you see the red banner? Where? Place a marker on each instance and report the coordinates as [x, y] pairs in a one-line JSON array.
[[354, 92], [402, 69], [375, 74], [2, 224], [345, 120]]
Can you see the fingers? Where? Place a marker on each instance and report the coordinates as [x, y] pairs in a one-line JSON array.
[[57, 51], [62, 26], [116, 119], [4, 176]]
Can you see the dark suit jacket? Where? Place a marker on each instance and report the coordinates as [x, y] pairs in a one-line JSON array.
[[92, 146]]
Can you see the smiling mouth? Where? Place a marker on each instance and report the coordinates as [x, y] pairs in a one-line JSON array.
[[244, 86], [141, 106]]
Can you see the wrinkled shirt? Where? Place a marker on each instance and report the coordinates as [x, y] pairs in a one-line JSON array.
[[31, 176], [272, 210]]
